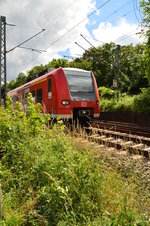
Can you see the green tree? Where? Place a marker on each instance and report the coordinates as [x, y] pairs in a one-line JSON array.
[[20, 79], [81, 63], [146, 25], [11, 85], [132, 69], [102, 60], [56, 63], [35, 70], [126, 63]]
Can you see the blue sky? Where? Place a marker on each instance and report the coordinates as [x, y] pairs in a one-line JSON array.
[[64, 21], [113, 12]]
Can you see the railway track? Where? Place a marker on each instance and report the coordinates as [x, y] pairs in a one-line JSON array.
[[130, 128], [126, 152], [121, 136]]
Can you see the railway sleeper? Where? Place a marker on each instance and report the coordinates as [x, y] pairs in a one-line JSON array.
[[128, 142], [137, 149], [124, 136]]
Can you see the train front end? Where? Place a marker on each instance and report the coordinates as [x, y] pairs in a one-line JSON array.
[[84, 97]]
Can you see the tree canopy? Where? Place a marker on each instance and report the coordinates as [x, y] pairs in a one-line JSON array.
[[108, 62], [146, 28]]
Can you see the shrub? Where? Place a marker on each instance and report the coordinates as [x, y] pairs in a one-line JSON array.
[[142, 102], [105, 93], [48, 179]]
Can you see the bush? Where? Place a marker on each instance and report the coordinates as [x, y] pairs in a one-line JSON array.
[[142, 102], [137, 103], [107, 105], [48, 179], [124, 104], [105, 93]]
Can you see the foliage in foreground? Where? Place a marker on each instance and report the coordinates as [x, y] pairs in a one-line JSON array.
[[48, 180]]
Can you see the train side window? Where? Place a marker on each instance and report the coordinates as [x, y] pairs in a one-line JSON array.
[[26, 94], [49, 88], [33, 95], [39, 96], [23, 98]]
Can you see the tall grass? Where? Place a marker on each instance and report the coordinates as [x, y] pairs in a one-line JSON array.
[[48, 179]]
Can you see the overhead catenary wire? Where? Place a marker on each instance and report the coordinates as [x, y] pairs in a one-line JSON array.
[[127, 35], [94, 39], [107, 17], [59, 16], [114, 12], [22, 26], [87, 41], [135, 12], [99, 7], [81, 22], [25, 41], [80, 46], [78, 23], [123, 16], [138, 9], [32, 49], [69, 57]]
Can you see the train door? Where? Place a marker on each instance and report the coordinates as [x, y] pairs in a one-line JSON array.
[[26, 97], [50, 99]]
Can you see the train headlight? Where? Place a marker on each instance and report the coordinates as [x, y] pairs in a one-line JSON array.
[[65, 102]]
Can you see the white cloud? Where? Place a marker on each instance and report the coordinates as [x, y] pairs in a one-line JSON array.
[[31, 16], [122, 33], [57, 17]]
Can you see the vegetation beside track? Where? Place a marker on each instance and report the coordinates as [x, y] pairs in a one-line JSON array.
[[49, 179], [137, 103]]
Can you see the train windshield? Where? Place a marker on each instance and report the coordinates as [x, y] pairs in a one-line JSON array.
[[80, 82]]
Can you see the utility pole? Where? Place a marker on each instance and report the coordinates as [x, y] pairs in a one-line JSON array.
[[2, 59], [116, 72], [3, 52]]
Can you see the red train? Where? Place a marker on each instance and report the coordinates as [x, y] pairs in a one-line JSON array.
[[64, 92]]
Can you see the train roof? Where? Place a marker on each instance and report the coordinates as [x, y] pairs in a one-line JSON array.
[[26, 85], [66, 70], [74, 69]]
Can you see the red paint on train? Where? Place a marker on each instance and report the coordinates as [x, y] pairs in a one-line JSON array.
[[63, 92]]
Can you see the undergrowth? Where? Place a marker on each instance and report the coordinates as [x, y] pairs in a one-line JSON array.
[[48, 180], [136, 103]]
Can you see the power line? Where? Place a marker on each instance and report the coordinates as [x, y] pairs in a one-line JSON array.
[[59, 16], [33, 59], [122, 16], [135, 11], [56, 19], [87, 41], [123, 6], [25, 41], [78, 23], [80, 46], [126, 35], [114, 12], [69, 57], [74, 28], [138, 8], [35, 50], [94, 39], [21, 26]]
